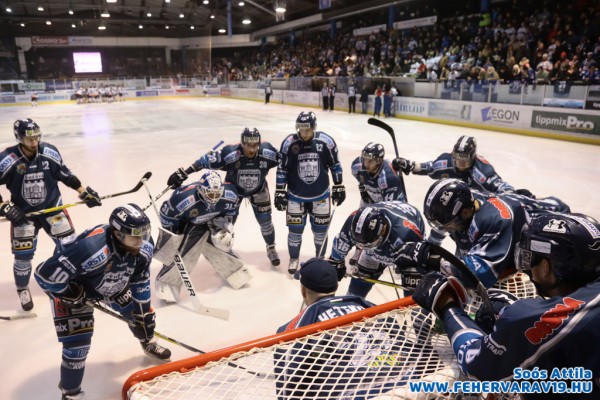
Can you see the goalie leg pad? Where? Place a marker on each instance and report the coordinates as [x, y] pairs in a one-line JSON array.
[[228, 265]]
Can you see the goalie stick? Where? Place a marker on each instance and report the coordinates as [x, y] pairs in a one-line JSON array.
[[379, 123], [187, 281], [113, 313], [18, 316], [137, 187]]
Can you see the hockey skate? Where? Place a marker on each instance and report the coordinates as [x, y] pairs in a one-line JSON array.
[[25, 297], [155, 350], [73, 394], [273, 256], [293, 267]]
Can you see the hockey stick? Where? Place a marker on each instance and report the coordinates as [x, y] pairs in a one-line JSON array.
[[187, 282], [320, 254], [380, 282], [113, 313], [393, 280], [19, 316], [379, 123], [137, 187]]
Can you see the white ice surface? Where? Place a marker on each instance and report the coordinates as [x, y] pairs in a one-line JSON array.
[[110, 146]]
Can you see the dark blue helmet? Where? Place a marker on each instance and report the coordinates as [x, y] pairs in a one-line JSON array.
[[369, 228], [373, 151], [130, 225], [464, 152], [570, 241], [445, 200], [26, 128], [306, 120], [250, 136]]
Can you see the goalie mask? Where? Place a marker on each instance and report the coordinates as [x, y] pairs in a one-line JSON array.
[[369, 228], [131, 227], [444, 202], [464, 152], [571, 242], [210, 187]]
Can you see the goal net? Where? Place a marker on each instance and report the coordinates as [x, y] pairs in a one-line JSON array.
[[370, 354]]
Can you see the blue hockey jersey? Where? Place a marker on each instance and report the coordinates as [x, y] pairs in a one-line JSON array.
[[247, 174], [186, 206], [304, 166], [383, 186]]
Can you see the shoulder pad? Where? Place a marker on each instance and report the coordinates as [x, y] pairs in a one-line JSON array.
[[478, 175], [97, 259], [8, 161], [51, 153], [287, 142], [269, 154], [440, 164], [186, 202], [230, 156], [147, 249], [322, 136]]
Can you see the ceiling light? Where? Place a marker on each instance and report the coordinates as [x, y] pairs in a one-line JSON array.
[[241, 4], [246, 21], [222, 30], [73, 26], [22, 23], [111, 1], [167, 27], [71, 11], [105, 14], [181, 15], [48, 22], [102, 27], [40, 7], [280, 6], [8, 9], [212, 16], [148, 14], [167, 1], [205, 2], [141, 26], [192, 27]]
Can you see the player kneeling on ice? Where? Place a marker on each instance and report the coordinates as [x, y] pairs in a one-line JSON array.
[[108, 263], [198, 219], [561, 255], [247, 165], [379, 230]]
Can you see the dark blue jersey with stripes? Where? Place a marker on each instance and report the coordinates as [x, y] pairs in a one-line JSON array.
[[383, 186]]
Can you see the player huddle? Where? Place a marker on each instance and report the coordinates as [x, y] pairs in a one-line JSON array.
[[489, 220]]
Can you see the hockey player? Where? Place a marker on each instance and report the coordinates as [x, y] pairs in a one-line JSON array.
[[31, 171], [110, 264], [303, 184], [377, 181], [561, 255], [204, 206], [247, 165], [380, 230], [463, 163], [485, 228]]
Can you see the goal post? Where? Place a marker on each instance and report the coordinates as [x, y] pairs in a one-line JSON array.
[[369, 354]]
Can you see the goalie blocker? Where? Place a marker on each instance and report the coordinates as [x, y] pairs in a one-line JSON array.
[[169, 281]]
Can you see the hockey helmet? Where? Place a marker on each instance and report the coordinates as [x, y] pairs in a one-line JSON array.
[[26, 128], [570, 241], [369, 227], [373, 151], [250, 136], [444, 201], [464, 152], [210, 187], [306, 120], [130, 225]]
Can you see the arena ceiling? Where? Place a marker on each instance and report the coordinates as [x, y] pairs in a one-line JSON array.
[[168, 18]]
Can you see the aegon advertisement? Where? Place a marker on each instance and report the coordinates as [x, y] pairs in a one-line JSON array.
[[565, 122]]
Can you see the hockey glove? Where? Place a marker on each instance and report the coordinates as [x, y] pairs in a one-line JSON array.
[[411, 277], [338, 194], [364, 195], [281, 199], [74, 297], [499, 299], [144, 325], [177, 178], [12, 213], [402, 164], [433, 291], [340, 268], [525, 192], [91, 198], [412, 254]]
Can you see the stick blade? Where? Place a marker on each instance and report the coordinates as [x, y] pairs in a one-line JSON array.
[[19, 316], [146, 176], [379, 123]]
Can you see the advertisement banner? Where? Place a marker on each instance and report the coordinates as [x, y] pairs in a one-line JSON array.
[[592, 104], [146, 93], [25, 87], [498, 114], [81, 41], [413, 23], [369, 29], [449, 110], [566, 122], [59, 85], [50, 40], [8, 99], [403, 106]]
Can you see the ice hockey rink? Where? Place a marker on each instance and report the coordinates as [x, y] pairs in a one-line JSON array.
[[110, 147]]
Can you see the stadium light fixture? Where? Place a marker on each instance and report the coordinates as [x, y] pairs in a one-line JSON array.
[[148, 13], [181, 15], [71, 12], [102, 27], [22, 23], [140, 26], [205, 2], [48, 22], [8, 9], [222, 30], [167, 27], [280, 6], [73, 26], [40, 7], [167, 1], [212, 16], [246, 21], [111, 1], [192, 27], [105, 14], [241, 4]]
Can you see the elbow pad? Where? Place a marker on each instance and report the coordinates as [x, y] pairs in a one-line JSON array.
[[73, 182]]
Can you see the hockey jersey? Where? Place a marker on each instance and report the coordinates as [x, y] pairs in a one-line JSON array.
[[33, 184], [480, 176], [304, 167], [247, 174], [383, 186]]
